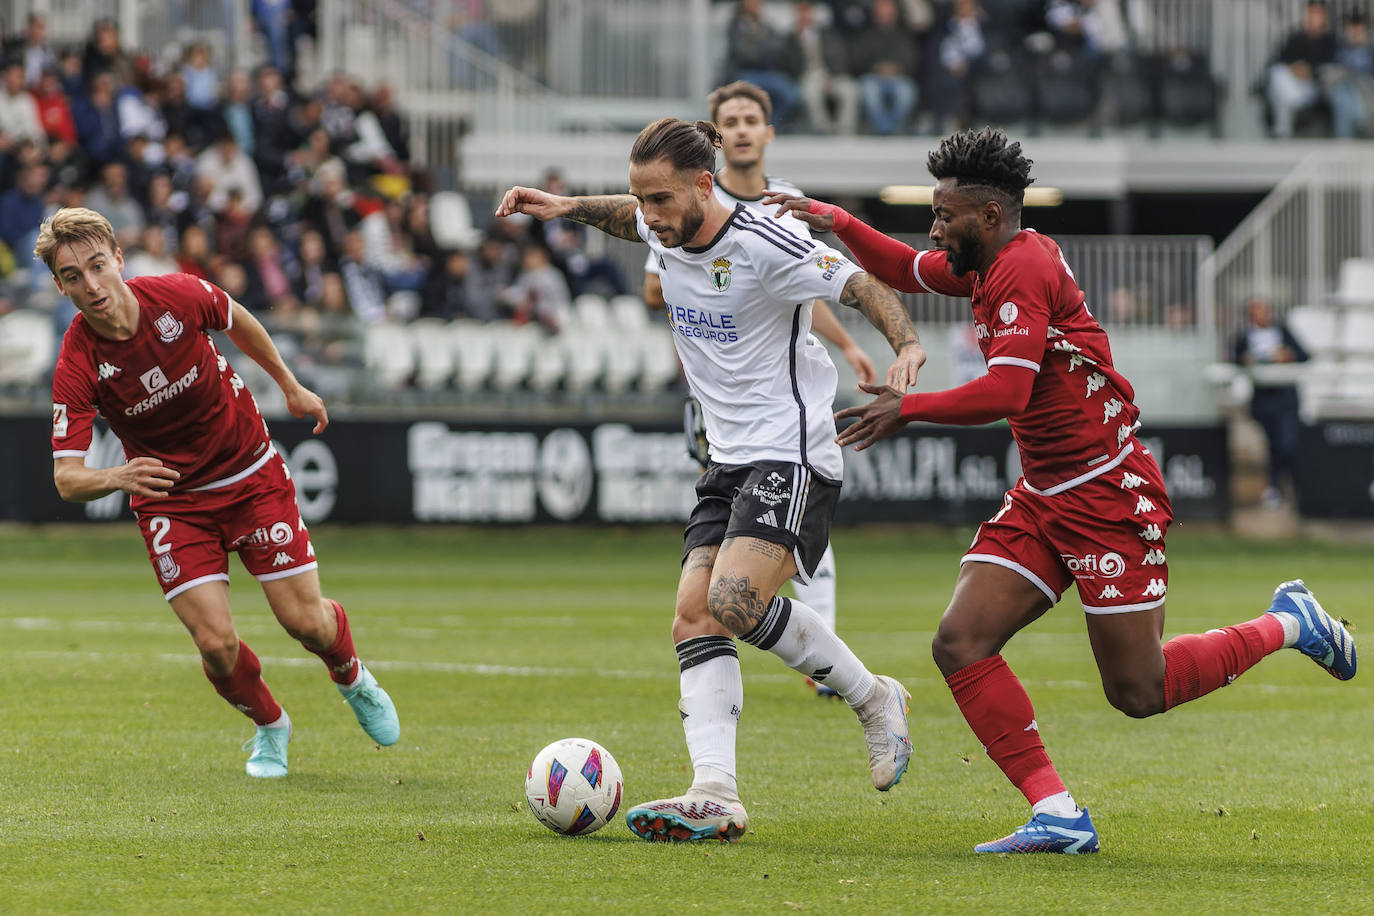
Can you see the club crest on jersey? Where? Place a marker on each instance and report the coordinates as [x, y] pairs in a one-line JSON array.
[[1008, 312], [168, 327], [720, 274]]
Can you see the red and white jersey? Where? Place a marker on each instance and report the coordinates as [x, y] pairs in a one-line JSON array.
[[1028, 311], [166, 392]]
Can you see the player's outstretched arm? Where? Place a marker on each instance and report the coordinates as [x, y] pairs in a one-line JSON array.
[[144, 476], [252, 338], [880, 305], [613, 214], [824, 323]]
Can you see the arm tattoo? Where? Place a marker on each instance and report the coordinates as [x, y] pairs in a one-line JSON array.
[[613, 214], [737, 605], [880, 305]]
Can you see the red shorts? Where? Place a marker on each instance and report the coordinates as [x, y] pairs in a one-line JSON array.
[[1107, 533], [189, 535]]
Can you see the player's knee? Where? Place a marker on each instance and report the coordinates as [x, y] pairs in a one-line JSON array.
[[1139, 701], [954, 649], [693, 618], [218, 650]]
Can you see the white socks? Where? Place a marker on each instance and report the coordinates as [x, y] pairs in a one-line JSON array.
[[1060, 804], [819, 595], [712, 699], [797, 635]]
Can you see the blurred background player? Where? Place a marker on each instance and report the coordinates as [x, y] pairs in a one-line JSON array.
[[742, 112], [202, 475], [1091, 505], [741, 288]]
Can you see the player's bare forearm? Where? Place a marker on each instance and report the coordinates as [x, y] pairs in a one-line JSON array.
[[613, 214], [880, 305], [142, 476]]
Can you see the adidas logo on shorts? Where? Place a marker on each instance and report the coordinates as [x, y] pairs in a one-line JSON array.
[[768, 518]]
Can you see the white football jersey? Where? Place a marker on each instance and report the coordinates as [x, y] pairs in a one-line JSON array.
[[740, 311], [725, 197]]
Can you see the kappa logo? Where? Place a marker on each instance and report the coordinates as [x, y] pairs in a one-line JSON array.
[[1143, 504], [1151, 533], [107, 370], [1153, 557], [768, 518], [1008, 312], [281, 559], [1110, 591], [1095, 383], [1130, 481], [1123, 433], [1155, 589], [1111, 409], [1033, 727], [720, 274], [154, 379], [168, 327]]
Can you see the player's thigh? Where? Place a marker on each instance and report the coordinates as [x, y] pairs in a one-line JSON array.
[[1130, 659], [748, 572], [204, 610], [991, 604], [296, 602]]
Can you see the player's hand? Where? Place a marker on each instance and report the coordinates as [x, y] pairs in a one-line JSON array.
[[910, 358], [800, 207], [540, 204], [145, 477], [863, 366], [302, 401], [875, 420]]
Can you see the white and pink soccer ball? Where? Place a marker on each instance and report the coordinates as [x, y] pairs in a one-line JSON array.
[[574, 786]]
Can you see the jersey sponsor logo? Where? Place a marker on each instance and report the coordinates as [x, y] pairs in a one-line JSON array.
[[1110, 591], [1108, 565], [1011, 332], [154, 379], [720, 274], [691, 322], [829, 263], [281, 559], [1153, 557], [167, 568], [1155, 589], [773, 490], [59, 420], [106, 370], [1008, 312], [168, 327], [161, 390]]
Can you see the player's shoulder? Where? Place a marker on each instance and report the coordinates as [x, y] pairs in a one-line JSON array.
[[768, 237], [1029, 257], [776, 185]]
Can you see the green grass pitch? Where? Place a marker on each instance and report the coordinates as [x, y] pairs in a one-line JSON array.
[[122, 786]]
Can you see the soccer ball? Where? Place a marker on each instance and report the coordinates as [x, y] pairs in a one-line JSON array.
[[573, 786]]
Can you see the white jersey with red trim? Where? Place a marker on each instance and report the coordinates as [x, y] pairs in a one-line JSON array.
[[1028, 311]]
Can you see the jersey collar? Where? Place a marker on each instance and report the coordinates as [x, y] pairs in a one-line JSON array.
[[729, 221]]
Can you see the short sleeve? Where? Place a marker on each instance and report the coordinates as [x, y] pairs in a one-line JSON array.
[[212, 304], [651, 263], [73, 408], [1019, 301], [820, 273], [932, 272]]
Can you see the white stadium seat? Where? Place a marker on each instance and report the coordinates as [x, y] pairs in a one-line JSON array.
[[629, 311], [474, 349], [434, 352], [585, 352], [659, 359], [1315, 327], [1357, 332], [550, 360], [28, 347], [515, 353], [389, 353], [450, 221], [591, 311]]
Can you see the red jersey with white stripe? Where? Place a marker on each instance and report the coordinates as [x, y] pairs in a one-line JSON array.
[[1029, 312], [166, 392]]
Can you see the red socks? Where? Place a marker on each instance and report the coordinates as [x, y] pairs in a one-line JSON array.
[[1000, 713], [1198, 663], [342, 662], [245, 689]]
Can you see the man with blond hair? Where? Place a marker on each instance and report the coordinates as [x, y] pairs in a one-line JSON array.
[[201, 472]]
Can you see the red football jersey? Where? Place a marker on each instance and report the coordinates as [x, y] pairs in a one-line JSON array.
[[166, 392], [1028, 311]]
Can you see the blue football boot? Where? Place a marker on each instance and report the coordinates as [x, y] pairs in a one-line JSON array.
[[373, 708], [1046, 833], [1321, 637], [268, 746]]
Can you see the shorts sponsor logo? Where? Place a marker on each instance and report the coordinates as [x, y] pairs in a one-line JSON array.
[[1108, 565], [281, 534], [278, 535], [167, 568], [168, 327], [773, 490]]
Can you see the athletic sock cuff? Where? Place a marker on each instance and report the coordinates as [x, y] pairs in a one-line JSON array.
[[971, 676], [701, 649], [770, 629]]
